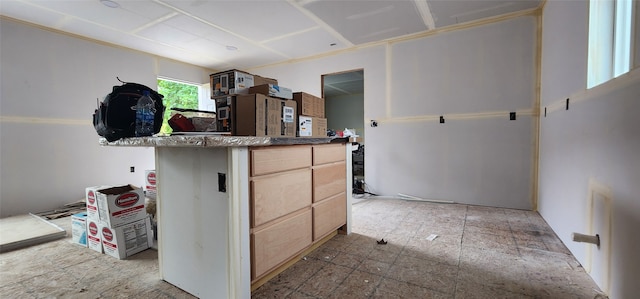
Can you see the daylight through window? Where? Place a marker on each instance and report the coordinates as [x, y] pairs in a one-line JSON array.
[[610, 31]]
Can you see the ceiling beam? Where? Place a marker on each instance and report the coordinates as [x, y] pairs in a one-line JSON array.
[[425, 13], [321, 23]]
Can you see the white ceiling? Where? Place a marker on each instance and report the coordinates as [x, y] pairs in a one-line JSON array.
[[259, 32], [264, 32]]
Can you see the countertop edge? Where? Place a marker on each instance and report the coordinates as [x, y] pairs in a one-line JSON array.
[[216, 141]]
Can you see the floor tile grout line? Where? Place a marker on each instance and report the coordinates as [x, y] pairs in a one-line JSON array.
[[385, 274], [373, 291], [513, 238], [464, 227], [400, 253], [327, 264], [308, 278]]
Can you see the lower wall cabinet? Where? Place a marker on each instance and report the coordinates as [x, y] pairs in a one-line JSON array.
[[294, 204], [329, 215], [277, 243]]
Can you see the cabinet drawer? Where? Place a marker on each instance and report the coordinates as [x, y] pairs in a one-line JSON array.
[[273, 159], [328, 153], [277, 195], [279, 242], [329, 215], [329, 180]]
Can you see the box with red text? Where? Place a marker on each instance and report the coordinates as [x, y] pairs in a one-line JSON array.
[[126, 240], [92, 201], [121, 205]]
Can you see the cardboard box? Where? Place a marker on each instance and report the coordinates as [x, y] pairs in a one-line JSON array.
[[229, 82], [121, 205], [92, 201], [126, 240], [94, 241], [312, 126], [225, 116], [259, 80], [309, 105], [272, 91], [150, 183], [260, 115], [79, 229]]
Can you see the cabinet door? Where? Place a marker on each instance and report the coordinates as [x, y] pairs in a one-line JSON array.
[[329, 180], [277, 195], [328, 153], [274, 159], [329, 215], [279, 242]]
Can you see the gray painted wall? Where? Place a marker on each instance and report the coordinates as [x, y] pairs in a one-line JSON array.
[[474, 75], [637, 31], [596, 140], [49, 85], [346, 111]]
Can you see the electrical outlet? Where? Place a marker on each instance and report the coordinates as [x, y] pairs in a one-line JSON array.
[[512, 116], [132, 169], [222, 182], [374, 123], [441, 119]]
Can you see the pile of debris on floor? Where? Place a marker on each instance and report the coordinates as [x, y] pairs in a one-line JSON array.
[[65, 211]]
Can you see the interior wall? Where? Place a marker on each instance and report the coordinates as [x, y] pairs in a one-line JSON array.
[[50, 83], [346, 111], [473, 76], [596, 140], [637, 37]]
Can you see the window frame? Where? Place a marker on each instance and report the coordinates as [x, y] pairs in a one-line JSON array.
[[611, 40]]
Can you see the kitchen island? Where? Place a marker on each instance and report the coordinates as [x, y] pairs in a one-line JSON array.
[[234, 211]]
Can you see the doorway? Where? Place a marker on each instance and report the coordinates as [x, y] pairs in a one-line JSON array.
[[343, 93]]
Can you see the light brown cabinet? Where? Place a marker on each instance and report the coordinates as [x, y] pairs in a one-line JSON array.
[[328, 180], [329, 215], [329, 189], [274, 196], [277, 243], [272, 159], [297, 197]]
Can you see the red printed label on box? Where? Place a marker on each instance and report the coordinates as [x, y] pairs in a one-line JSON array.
[[93, 236], [93, 229], [127, 199], [91, 197], [130, 210], [107, 234], [151, 178]]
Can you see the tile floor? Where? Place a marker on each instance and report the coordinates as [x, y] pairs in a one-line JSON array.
[[479, 252]]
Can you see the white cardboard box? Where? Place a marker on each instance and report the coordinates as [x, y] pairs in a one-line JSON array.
[[92, 201], [230, 82], [312, 126], [126, 240], [94, 241], [121, 205], [79, 229], [273, 91], [150, 183]]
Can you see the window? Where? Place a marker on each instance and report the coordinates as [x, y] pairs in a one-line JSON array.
[[610, 31], [181, 95]]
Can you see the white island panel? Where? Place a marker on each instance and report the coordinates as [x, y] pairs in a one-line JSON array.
[[195, 222]]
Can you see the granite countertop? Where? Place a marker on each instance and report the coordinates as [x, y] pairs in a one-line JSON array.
[[216, 141]]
